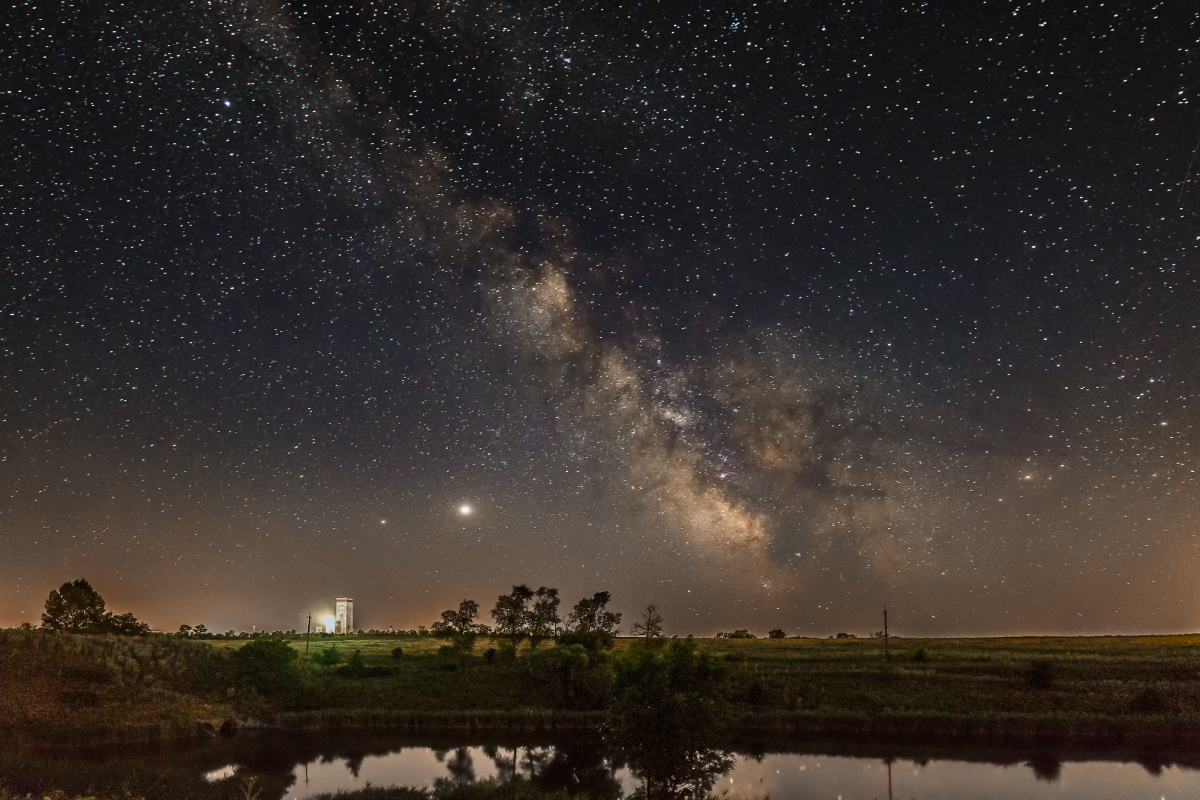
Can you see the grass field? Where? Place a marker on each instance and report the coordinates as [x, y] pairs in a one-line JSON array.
[[1063, 687]]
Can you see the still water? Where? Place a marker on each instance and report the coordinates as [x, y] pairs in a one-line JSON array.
[[296, 767], [975, 775]]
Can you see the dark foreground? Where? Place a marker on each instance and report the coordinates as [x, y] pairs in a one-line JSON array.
[[1133, 692]]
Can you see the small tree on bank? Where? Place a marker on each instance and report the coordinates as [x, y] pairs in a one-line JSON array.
[[651, 625]]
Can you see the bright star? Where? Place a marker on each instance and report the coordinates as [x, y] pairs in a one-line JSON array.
[[464, 509]]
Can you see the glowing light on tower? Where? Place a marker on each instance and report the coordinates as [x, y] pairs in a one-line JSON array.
[[328, 621]]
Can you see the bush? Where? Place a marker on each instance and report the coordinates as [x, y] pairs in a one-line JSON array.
[[918, 654], [489, 655], [447, 658], [397, 652], [776, 633], [592, 641], [327, 657], [573, 673], [269, 665]]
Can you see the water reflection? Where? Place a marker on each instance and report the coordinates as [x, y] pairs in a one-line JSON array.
[[578, 767], [296, 768]]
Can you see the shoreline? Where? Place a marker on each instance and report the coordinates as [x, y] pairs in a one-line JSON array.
[[997, 730]]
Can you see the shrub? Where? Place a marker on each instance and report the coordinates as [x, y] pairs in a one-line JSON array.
[[327, 657], [594, 641], [489, 655], [397, 652], [572, 671], [269, 665], [776, 633], [918, 654]]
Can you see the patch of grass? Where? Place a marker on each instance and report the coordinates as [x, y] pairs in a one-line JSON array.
[[100, 687]]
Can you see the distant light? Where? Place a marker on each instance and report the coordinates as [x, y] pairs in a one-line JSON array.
[[383, 522], [464, 510], [226, 102], [329, 621]]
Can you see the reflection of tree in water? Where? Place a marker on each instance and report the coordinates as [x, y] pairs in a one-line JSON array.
[[1046, 767], [461, 768], [668, 712], [575, 767]]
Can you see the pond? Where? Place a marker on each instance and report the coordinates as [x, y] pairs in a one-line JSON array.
[[296, 767]]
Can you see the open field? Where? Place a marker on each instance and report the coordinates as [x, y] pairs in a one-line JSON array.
[[1007, 687]]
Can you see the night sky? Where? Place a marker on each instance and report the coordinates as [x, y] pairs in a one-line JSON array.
[[767, 313]]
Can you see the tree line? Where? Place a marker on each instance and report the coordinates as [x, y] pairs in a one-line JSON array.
[[76, 607], [533, 614]]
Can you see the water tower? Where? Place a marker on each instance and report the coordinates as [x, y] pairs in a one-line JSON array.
[[343, 616]]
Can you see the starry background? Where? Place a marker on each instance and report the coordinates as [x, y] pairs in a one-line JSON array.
[[768, 313]]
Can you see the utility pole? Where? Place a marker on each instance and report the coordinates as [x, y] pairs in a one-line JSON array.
[[887, 653], [306, 633]]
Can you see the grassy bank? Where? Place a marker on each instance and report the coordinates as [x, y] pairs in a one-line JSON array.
[[1096, 689]]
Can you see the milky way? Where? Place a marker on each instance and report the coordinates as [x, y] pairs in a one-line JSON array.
[[768, 315]]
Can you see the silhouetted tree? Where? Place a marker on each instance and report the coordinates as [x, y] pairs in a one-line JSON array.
[[776, 633], [543, 617], [460, 622], [126, 624], [78, 608], [511, 613], [651, 625], [75, 607], [740, 633], [590, 614]]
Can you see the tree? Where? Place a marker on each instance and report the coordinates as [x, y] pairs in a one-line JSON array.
[[511, 613], [776, 633], [459, 622], [75, 607], [590, 615], [651, 625], [126, 624], [78, 608], [740, 633], [199, 630], [667, 714], [543, 617], [185, 630]]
